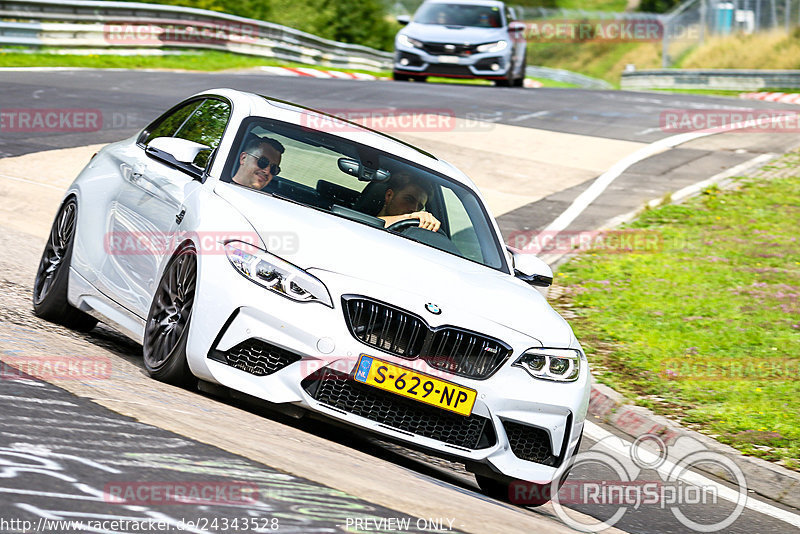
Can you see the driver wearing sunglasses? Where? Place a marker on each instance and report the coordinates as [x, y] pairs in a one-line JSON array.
[[259, 162]]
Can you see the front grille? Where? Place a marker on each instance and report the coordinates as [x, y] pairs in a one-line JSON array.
[[339, 391], [385, 328], [464, 353], [442, 69], [530, 443], [401, 333], [439, 49], [256, 357]]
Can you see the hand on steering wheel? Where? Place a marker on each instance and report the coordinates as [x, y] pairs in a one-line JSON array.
[[423, 219], [413, 220]]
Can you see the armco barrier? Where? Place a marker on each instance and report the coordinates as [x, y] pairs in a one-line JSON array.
[[567, 76], [100, 24], [723, 79]]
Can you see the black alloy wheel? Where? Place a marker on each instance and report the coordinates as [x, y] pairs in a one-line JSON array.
[[167, 329], [52, 276]]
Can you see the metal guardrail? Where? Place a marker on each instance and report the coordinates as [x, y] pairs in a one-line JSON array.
[[723, 79], [567, 76], [100, 24]]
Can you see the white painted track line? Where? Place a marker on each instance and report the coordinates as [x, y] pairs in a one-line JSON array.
[[597, 433], [602, 182]]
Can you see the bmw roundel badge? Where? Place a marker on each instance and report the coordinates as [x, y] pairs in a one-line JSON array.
[[433, 308]]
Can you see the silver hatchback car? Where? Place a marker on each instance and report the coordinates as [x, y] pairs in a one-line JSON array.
[[461, 39]]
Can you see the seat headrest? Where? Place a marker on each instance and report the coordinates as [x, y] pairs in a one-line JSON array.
[[372, 198]]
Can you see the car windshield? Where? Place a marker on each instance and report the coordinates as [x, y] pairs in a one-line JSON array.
[[459, 15], [336, 175]]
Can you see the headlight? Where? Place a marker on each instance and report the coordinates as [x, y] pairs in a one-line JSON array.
[[561, 365], [493, 47], [275, 274], [405, 40]]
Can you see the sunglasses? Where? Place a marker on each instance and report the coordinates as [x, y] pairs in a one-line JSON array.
[[263, 162]]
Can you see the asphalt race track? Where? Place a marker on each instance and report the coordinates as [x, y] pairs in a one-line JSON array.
[[64, 445]]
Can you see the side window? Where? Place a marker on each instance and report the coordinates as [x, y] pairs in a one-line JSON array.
[[462, 233], [167, 126], [206, 126], [201, 121]]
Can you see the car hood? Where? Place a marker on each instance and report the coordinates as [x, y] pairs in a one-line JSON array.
[[318, 241], [435, 33]]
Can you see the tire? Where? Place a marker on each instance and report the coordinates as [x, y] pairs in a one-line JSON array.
[[520, 82], [52, 277], [400, 77], [167, 330], [420, 79], [508, 81]]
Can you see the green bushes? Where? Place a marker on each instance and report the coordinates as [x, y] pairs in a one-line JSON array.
[[351, 21]]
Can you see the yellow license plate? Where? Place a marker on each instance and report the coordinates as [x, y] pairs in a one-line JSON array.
[[414, 385]]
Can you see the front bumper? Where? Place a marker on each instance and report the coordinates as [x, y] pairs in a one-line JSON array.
[[418, 62], [282, 351]]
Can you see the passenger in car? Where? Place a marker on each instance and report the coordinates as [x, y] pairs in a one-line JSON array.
[[405, 198], [259, 162]]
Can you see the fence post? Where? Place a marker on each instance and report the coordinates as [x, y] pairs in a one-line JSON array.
[[786, 14], [703, 21]]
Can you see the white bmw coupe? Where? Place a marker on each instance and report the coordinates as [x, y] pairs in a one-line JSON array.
[[314, 264]]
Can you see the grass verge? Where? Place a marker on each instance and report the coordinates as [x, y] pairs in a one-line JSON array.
[[201, 61], [706, 329]]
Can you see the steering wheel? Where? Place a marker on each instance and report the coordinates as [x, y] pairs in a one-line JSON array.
[[401, 226]]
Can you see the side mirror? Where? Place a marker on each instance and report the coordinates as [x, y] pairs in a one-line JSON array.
[[403, 20], [516, 28], [531, 269], [181, 150]]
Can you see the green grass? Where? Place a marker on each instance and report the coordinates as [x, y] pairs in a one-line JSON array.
[[554, 84], [593, 5], [202, 61], [544, 82], [707, 328], [586, 5]]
